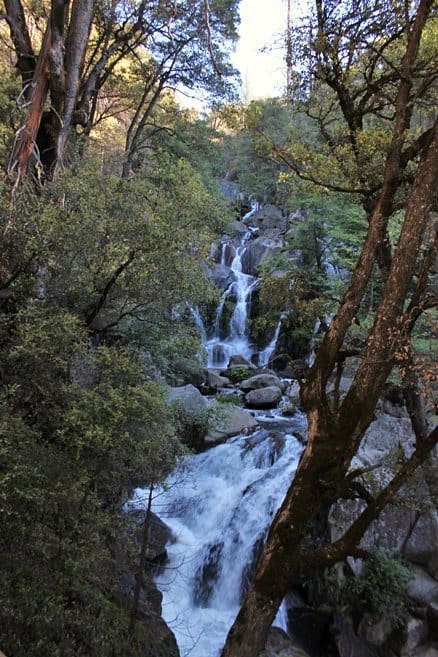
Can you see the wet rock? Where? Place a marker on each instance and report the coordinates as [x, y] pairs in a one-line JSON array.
[[160, 534], [222, 276], [249, 570], [349, 644], [416, 633], [273, 443], [258, 252], [188, 397], [422, 545], [229, 422], [289, 409], [214, 381], [238, 227], [240, 361], [207, 574], [269, 217], [218, 353], [262, 381], [263, 397], [296, 369], [280, 645]]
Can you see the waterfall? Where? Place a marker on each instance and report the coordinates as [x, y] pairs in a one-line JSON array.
[[243, 287], [220, 349], [265, 355], [219, 505], [199, 323]]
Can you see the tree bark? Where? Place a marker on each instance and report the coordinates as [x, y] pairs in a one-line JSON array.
[[334, 437], [25, 138], [75, 46], [21, 39]]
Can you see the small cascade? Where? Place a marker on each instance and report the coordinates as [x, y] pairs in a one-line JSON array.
[[236, 341], [266, 354], [243, 287], [199, 323], [219, 505]]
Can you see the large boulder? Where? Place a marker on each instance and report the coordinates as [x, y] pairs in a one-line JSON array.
[[280, 645], [188, 397], [387, 434], [262, 381], [263, 397], [258, 252], [238, 227], [159, 535], [422, 544], [214, 381], [269, 217], [229, 422], [222, 276], [240, 361], [422, 588], [388, 532]]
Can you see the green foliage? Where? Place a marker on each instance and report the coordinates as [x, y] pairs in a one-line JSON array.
[[232, 400], [239, 373], [381, 589], [192, 426], [79, 428], [252, 131], [96, 278]]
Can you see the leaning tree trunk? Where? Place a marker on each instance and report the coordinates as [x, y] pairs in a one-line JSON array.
[[334, 436]]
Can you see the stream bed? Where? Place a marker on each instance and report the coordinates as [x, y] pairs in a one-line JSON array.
[[219, 505]]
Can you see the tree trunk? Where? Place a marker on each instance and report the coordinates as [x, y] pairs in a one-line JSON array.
[[21, 40], [25, 138], [334, 437], [75, 46]]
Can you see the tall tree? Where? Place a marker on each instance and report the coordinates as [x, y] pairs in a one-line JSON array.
[[179, 43], [335, 432]]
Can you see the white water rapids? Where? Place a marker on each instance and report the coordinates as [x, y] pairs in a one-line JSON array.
[[218, 350], [219, 505]]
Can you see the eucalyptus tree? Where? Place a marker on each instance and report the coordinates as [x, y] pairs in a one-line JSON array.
[[374, 63], [67, 52]]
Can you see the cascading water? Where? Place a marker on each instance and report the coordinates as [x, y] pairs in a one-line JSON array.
[[218, 506], [236, 342], [265, 355], [220, 349]]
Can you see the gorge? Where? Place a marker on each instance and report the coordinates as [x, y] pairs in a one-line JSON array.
[[218, 505]]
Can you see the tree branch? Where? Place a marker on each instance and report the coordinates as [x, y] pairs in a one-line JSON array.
[[104, 295], [346, 545]]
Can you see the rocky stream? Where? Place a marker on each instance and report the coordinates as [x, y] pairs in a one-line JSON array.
[[218, 505]]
